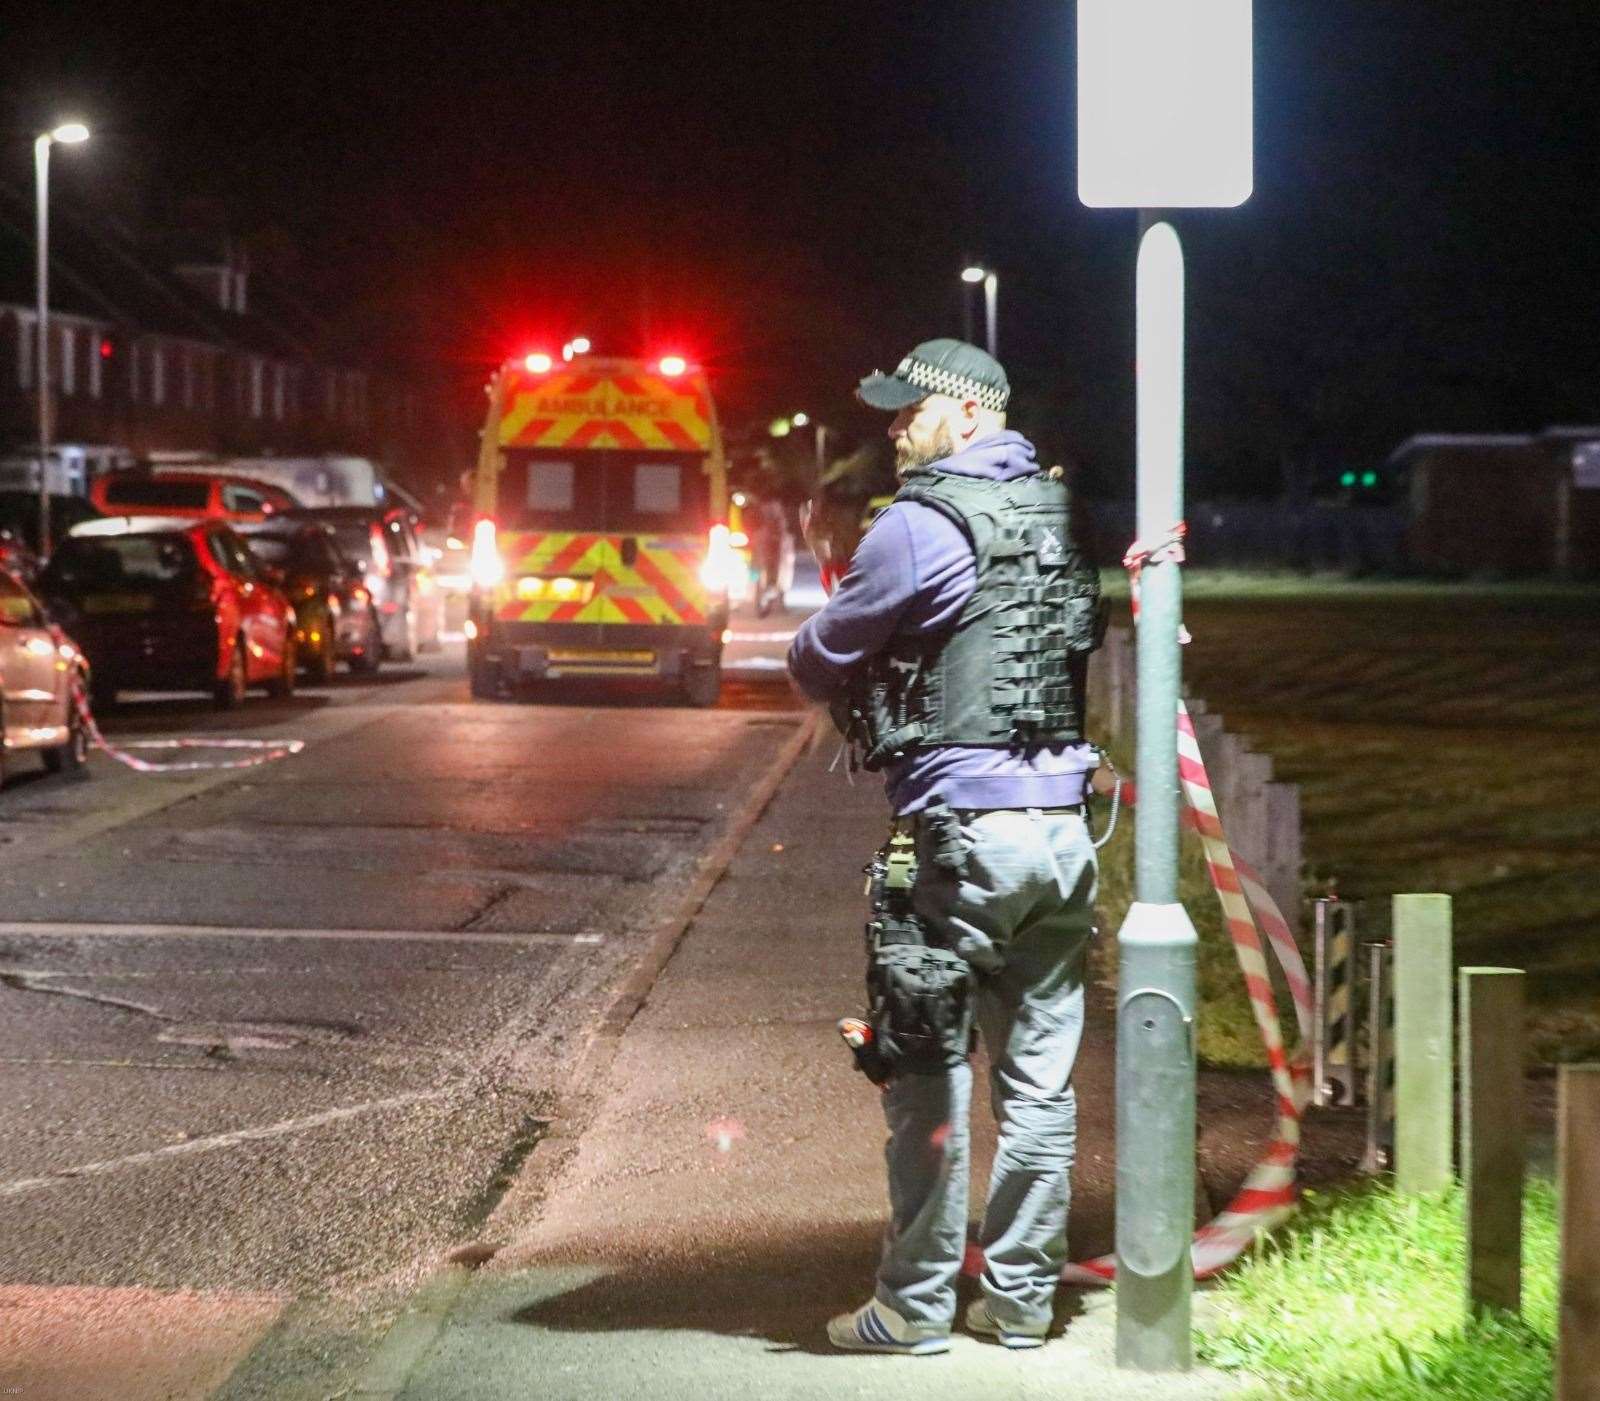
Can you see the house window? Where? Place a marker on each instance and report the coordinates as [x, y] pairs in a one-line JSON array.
[[133, 372], [67, 375], [258, 386], [158, 375], [95, 339], [280, 389]]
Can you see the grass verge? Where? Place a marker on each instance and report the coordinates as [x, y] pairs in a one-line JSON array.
[[1360, 1297], [1442, 738]]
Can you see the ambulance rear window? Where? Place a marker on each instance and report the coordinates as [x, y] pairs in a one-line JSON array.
[[603, 490], [550, 486], [657, 488]]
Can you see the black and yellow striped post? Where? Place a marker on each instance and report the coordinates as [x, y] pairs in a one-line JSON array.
[[1333, 1007]]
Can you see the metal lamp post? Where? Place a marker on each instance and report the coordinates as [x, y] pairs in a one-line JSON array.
[[67, 134], [1164, 122], [820, 431], [991, 303]]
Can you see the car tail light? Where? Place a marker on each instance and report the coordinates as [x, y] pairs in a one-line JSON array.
[[360, 595], [486, 566]]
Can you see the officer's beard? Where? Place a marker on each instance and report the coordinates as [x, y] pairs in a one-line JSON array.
[[907, 457]]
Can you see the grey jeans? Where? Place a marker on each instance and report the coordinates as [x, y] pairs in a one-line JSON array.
[[1022, 914]]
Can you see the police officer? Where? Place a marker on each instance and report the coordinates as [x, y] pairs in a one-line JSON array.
[[955, 650]]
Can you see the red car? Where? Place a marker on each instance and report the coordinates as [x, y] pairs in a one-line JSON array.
[[168, 605], [189, 495]]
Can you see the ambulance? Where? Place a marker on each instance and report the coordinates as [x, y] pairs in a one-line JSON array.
[[600, 546]]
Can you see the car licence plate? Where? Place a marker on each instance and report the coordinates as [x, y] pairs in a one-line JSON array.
[[118, 603]]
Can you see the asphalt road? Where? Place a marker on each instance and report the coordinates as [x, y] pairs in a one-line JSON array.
[[284, 1032]]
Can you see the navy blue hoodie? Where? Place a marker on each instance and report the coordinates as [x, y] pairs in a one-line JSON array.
[[911, 575]]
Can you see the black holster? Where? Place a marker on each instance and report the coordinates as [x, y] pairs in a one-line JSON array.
[[919, 995]]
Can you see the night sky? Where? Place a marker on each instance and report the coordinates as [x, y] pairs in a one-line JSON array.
[[789, 191]]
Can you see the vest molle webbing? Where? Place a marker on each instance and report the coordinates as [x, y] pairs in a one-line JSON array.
[[1010, 673]]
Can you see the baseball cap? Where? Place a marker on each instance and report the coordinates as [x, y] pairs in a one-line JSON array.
[[942, 366]]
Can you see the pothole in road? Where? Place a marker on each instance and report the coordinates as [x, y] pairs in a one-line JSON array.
[[232, 1037]]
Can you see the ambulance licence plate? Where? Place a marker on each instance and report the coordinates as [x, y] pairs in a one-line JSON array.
[[588, 657]]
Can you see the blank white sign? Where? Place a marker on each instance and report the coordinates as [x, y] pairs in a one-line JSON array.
[[1164, 104]]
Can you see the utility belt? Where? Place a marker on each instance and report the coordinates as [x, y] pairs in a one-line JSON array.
[[919, 994]]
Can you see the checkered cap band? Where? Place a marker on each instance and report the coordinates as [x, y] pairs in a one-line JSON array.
[[937, 381]]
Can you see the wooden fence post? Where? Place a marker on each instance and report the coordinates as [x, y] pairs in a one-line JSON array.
[[1578, 1153], [1491, 1135], [1422, 1021]]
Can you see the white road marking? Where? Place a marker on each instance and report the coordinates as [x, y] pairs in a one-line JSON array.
[[53, 930], [23, 1185]]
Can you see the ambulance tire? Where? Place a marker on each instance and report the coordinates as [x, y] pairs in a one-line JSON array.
[[702, 686]]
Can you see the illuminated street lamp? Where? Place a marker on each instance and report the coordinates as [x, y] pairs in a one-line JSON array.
[[802, 419], [1164, 122], [67, 134], [991, 297]]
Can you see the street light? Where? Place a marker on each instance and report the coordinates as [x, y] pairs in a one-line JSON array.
[[1164, 122], [68, 134], [801, 420], [991, 297]]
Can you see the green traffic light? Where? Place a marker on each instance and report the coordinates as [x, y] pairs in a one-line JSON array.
[[1348, 479], [1369, 479]]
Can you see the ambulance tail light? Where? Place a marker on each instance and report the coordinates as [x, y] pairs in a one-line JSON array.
[[485, 565], [722, 568]]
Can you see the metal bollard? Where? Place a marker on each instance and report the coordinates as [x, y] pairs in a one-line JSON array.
[[1333, 1013], [1380, 1058]]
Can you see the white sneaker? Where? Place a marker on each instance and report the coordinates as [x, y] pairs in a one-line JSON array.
[[980, 1320], [875, 1327]]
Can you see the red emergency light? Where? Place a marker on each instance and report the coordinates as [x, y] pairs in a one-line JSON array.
[[672, 365], [538, 363]]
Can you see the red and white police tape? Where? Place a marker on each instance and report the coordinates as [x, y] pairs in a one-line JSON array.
[[263, 751], [1249, 911]]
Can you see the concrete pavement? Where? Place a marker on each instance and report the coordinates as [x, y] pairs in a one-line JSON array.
[[727, 1195]]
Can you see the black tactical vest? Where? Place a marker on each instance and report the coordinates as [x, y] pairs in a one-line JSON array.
[[1010, 673]]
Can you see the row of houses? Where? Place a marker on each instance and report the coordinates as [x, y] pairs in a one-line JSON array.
[[174, 347]]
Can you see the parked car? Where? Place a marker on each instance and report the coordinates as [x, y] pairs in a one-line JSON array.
[[38, 668], [163, 604], [335, 619], [384, 543], [188, 495]]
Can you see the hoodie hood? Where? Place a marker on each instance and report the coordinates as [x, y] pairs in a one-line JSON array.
[[1000, 457]]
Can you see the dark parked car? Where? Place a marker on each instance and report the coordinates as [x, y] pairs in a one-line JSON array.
[[168, 605], [19, 526], [38, 667], [385, 544], [335, 620]]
